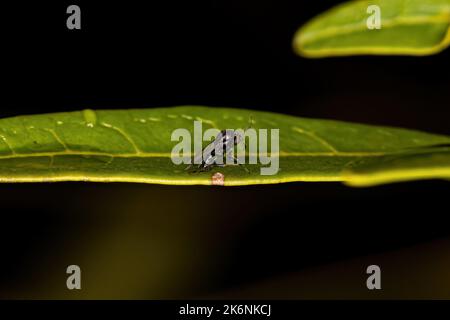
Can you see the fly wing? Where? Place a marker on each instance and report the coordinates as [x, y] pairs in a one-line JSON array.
[[210, 147], [198, 158]]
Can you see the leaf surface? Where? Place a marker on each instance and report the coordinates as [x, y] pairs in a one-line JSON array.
[[408, 27], [135, 146]]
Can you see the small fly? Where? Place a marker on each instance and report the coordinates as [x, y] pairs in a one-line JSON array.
[[225, 142]]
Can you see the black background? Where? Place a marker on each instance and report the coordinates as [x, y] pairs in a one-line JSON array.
[[235, 53]]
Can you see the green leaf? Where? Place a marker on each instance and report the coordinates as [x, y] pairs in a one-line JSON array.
[[408, 27], [135, 146], [421, 165]]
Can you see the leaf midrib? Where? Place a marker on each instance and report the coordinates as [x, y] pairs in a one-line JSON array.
[[168, 155]]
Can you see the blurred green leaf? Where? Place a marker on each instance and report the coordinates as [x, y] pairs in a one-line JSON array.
[[135, 146], [408, 27]]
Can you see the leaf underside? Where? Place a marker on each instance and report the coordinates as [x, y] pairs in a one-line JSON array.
[[408, 27], [135, 146]]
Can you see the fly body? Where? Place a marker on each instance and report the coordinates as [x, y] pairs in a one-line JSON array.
[[222, 146]]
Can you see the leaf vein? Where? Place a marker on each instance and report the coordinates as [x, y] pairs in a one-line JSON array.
[[8, 144], [315, 137], [123, 134], [58, 139]]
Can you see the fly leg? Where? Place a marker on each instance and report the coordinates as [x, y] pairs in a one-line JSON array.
[[236, 162], [195, 168]]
